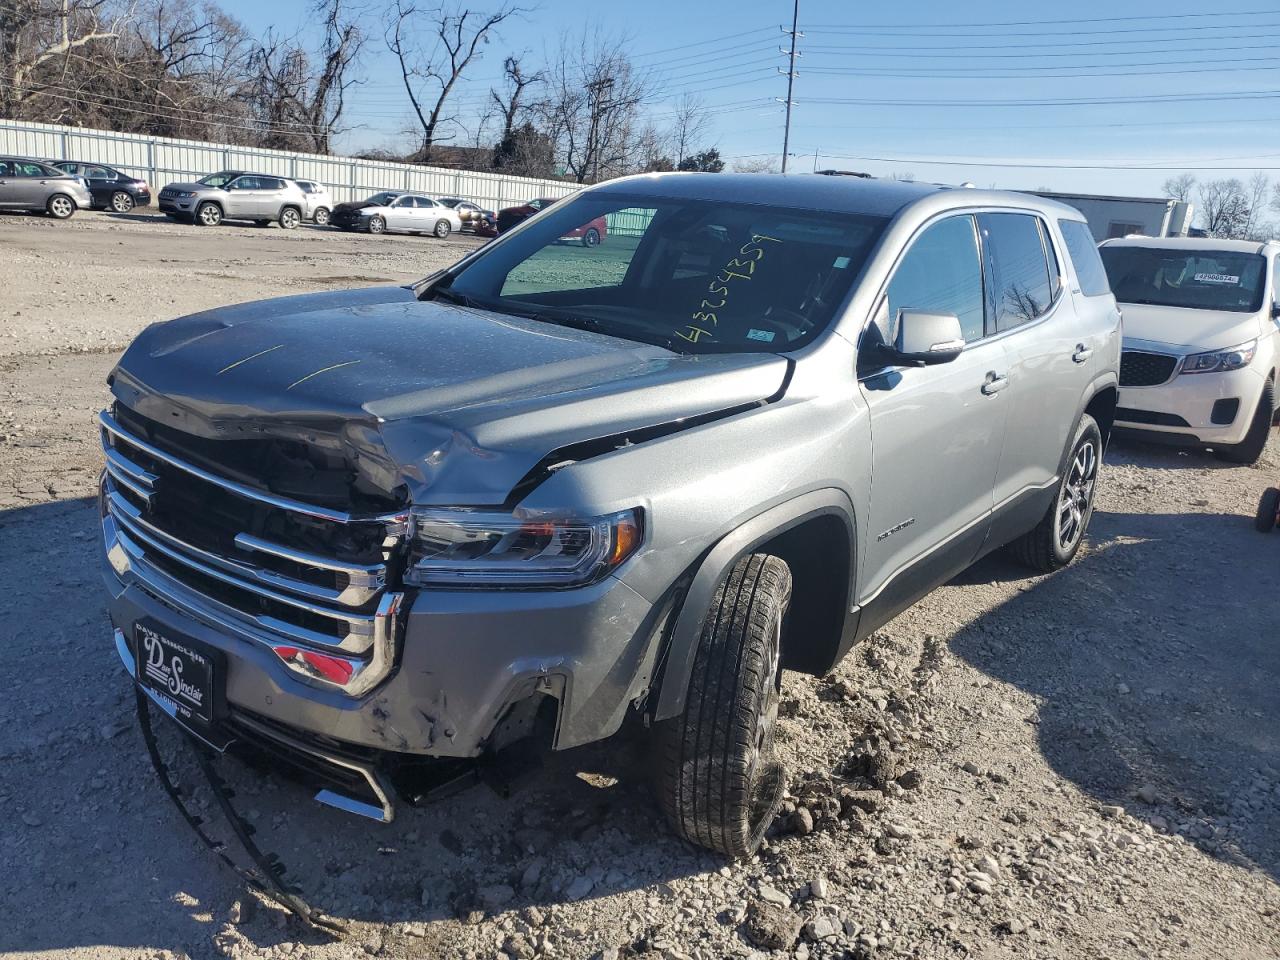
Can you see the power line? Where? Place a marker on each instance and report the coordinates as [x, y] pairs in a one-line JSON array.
[[1072, 21], [968, 55], [854, 72], [876, 32], [1001, 164], [1069, 102]]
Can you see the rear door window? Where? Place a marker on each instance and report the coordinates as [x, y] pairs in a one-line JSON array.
[[1083, 252], [1020, 287], [941, 273]]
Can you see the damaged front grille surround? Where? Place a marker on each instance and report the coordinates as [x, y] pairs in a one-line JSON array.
[[330, 620]]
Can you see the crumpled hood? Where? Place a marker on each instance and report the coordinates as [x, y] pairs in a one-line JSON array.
[[453, 403], [1191, 331], [353, 205]]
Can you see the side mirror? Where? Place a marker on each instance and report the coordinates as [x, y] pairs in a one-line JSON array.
[[927, 338], [1275, 311]]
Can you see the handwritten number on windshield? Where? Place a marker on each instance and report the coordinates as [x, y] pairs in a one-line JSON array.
[[741, 267]]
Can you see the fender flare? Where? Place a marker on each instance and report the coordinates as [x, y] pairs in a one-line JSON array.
[[715, 566]]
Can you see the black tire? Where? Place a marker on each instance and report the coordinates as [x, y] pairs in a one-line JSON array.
[[377, 224], [442, 229], [1057, 537], [591, 238], [60, 206], [1255, 441], [1268, 506], [290, 218], [208, 214], [321, 217], [121, 202], [717, 779]]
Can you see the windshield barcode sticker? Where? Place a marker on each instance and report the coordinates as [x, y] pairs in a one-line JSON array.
[[1216, 278], [765, 335]]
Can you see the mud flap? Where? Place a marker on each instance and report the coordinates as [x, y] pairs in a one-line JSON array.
[[266, 873]]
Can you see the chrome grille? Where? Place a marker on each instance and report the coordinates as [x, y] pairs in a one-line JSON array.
[[309, 582], [1138, 368]]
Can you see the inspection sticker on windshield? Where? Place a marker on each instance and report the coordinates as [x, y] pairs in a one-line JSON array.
[[765, 335], [1216, 278]]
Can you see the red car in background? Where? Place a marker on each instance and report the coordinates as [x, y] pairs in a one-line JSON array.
[[589, 234]]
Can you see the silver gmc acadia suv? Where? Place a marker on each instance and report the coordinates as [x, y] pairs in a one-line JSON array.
[[387, 533]]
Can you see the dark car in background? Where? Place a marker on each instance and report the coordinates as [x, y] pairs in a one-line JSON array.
[[474, 216], [110, 188], [589, 234]]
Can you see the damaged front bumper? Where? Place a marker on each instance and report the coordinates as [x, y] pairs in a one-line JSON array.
[[468, 662]]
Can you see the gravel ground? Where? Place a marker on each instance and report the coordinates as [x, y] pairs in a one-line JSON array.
[[1085, 765]]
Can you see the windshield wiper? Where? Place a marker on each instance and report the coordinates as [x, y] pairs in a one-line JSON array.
[[452, 296], [596, 325]]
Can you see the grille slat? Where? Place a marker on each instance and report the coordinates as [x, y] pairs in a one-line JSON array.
[[297, 574], [1139, 368]]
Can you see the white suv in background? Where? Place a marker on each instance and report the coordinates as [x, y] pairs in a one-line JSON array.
[[319, 203], [1200, 340]]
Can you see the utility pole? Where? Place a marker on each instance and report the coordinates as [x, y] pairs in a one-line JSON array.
[[791, 79]]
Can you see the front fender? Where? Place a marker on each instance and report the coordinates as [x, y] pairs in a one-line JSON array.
[[715, 566]]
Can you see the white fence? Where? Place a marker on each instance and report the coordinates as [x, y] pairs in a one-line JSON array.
[[161, 160]]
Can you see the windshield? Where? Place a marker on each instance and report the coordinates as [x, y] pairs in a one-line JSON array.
[[218, 179], [691, 275], [1195, 279]]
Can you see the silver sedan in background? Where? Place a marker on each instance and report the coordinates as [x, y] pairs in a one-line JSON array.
[[31, 185]]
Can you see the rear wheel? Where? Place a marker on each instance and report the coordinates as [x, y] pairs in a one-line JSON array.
[[1255, 441], [208, 214], [1268, 507], [121, 202], [377, 224], [321, 216], [718, 779], [591, 238], [290, 218], [443, 229], [1057, 537], [60, 206]]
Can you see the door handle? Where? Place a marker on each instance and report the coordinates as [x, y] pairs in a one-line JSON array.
[[1082, 353], [994, 383]]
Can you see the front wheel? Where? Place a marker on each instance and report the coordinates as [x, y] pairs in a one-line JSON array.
[[121, 202], [1057, 538], [442, 229], [209, 215], [718, 779], [377, 225], [591, 238], [60, 206], [290, 218], [1249, 450], [321, 217], [1268, 508]]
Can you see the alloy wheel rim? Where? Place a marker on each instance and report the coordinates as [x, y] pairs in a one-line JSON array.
[[290, 219], [322, 216], [1076, 495], [209, 215], [61, 207], [375, 225], [121, 203]]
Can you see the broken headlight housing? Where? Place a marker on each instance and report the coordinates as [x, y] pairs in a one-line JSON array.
[[474, 548]]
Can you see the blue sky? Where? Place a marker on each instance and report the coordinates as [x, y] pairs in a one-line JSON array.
[[1008, 93]]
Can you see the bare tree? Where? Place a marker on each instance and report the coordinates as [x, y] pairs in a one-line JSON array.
[[300, 104], [689, 124], [591, 106], [766, 164], [38, 39], [1224, 206], [1180, 187], [430, 75], [510, 103]]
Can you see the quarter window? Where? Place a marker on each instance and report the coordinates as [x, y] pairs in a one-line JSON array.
[[1021, 289], [1083, 253], [941, 273]]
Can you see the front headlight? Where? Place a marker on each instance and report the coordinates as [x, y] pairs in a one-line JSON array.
[[1220, 361], [471, 548]]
